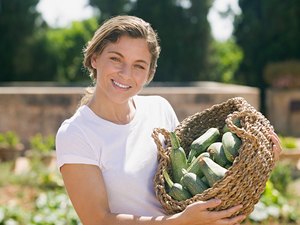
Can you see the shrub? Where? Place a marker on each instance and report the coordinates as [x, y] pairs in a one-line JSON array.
[[42, 144], [9, 139]]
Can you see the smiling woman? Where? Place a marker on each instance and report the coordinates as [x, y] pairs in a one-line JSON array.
[[60, 13], [105, 151]]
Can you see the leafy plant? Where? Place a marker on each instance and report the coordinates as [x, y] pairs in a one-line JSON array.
[[50, 208], [288, 142], [53, 208], [273, 205], [12, 215], [9, 139], [42, 144], [281, 176]]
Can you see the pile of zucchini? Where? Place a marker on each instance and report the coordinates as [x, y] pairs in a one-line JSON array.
[[210, 155]]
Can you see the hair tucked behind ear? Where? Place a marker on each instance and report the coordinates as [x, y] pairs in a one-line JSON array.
[[110, 31]]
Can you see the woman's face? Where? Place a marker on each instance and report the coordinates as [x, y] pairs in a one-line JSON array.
[[122, 68]]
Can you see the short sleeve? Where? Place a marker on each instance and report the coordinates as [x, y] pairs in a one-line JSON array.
[[73, 147], [171, 115]]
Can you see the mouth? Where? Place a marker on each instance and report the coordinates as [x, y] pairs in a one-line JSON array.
[[119, 85]]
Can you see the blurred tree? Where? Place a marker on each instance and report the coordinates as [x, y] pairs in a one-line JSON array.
[[183, 29], [32, 51], [17, 22], [267, 31], [33, 62], [66, 45], [110, 8], [55, 54], [184, 34], [225, 58]]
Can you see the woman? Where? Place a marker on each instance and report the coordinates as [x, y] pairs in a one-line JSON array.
[[105, 151]]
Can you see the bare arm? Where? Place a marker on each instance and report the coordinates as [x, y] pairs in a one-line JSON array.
[[85, 186]]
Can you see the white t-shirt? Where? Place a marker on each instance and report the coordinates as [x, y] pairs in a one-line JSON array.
[[126, 154]]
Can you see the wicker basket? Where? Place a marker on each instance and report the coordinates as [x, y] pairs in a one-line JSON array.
[[246, 179]]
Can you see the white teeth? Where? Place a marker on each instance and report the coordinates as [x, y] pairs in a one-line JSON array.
[[120, 85]]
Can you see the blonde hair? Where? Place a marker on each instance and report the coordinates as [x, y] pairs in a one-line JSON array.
[[109, 32]]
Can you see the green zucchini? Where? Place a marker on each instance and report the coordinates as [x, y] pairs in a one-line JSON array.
[[216, 152], [195, 167], [212, 171], [200, 145], [177, 157], [176, 190], [193, 183], [205, 181], [231, 144]]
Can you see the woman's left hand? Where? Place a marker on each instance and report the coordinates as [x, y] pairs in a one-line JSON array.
[[276, 145]]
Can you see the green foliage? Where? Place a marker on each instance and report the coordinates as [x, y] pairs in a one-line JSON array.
[[51, 208], [107, 9], [51, 204], [273, 205], [42, 144], [66, 44], [37, 63], [14, 215], [288, 142], [225, 59], [9, 139], [18, 20], [61, 52], [281, 177], [267, 31]]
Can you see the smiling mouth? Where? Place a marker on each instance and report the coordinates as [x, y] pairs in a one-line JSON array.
[[123, 86]]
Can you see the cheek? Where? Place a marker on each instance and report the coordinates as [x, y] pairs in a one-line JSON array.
[[141, 79]]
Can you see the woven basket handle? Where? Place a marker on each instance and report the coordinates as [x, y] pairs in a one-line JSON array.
[[155, 135], [246, 117]]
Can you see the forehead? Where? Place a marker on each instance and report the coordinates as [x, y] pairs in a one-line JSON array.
[[128, 46]]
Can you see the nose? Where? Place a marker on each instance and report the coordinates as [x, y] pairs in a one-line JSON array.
[[125, 70]]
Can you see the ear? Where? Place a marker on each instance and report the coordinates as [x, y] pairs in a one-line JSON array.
[[94, 61]]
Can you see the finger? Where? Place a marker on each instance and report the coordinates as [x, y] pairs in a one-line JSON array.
[[234, 220], [227, 212], [274, 136], [276, 145], [207, 204], [275, 139], [277, 152]]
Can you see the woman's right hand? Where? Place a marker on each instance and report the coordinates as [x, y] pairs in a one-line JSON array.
[[198, 214]]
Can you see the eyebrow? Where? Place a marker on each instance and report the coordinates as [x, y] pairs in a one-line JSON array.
[[139, 60]]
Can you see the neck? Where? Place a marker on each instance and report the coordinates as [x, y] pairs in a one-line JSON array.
[[117, 113]]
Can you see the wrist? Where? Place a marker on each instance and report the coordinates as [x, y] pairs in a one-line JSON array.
[[175, 219]]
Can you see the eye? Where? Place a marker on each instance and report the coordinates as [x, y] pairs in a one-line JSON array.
[[138, 66], [115, 59]]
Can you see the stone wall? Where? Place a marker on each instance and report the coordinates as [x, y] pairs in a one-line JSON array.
[[283, 108], [31, 110]]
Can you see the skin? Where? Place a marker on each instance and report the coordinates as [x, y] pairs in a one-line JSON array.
[[122, 71]]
